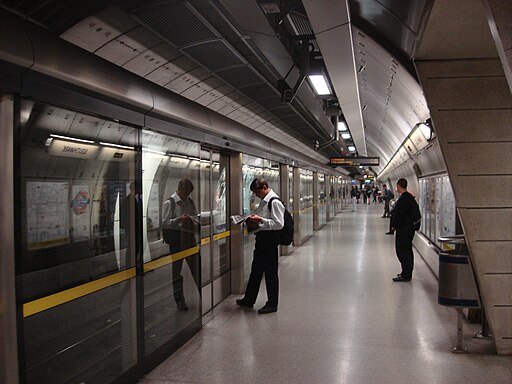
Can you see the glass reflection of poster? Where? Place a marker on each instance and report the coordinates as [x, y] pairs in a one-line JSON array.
[[47, 213], [80, 211], [153, 212], [220, 203]]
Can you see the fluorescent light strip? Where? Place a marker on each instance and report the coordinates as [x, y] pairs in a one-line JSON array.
[[155, 152], [345, 136], [351, 148], [320, 84], [342, 127], [71, 138], [116, 145]]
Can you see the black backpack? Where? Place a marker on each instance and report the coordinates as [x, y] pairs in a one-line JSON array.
[[285, 234], [416, 217]]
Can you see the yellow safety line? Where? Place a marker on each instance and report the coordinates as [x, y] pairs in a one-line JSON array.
[[169, 259], [205, 240], [221, 235], [59, 298]]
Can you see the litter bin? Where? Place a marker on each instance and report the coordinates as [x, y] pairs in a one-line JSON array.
[[457, 286]]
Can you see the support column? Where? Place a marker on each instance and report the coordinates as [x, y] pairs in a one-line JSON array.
[[8, 332], [499, 16], [236, 238], [316, 220], [471, 108]]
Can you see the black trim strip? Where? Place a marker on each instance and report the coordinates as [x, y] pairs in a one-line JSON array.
[[470, 303], [448, 259]]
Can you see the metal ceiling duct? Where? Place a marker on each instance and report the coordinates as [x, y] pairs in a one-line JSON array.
[[330, 21]]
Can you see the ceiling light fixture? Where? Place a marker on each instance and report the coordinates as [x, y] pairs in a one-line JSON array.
[[319, 84], [342, 126]]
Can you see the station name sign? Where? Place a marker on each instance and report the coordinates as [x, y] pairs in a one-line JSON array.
[[354, 161]]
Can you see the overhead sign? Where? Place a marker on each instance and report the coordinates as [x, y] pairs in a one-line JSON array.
[[354, 161]]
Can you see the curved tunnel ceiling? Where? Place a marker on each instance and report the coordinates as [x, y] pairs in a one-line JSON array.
[[382, 100]]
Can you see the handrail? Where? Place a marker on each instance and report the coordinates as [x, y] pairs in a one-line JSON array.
[[455, 239]]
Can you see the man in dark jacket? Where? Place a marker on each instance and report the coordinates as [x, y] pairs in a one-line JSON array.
[[402, 222]]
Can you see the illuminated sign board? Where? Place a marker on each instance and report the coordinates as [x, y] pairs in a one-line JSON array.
[[354, 161]]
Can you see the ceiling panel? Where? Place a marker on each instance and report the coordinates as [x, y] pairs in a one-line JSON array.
[[392, 99], [187, 80], [213, 96], [151, 60], [95, 31], [202, 88], [128, 46]]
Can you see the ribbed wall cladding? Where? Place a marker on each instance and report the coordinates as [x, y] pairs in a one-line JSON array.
[[171, 19], [214, 55]]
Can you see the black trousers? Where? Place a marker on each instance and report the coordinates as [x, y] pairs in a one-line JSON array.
[[386, 207], [403, 247], [193, 262], [265, 261]]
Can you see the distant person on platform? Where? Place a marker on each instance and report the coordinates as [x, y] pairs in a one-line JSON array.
[[402, 222], [353, 197], [387, 196], [265, 258]]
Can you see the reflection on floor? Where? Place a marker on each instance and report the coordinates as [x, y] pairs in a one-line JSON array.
[[341, 320]]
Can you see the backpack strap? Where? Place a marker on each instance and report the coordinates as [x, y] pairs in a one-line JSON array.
[[271, 200]]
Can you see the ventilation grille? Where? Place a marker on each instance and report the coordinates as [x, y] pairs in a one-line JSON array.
[[259, 91], [214, 55], [169, 20], [239, 77], [229, 17]]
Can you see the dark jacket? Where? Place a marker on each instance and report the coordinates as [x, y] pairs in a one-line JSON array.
[[404, 212]]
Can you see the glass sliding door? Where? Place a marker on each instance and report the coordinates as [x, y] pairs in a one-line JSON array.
[[172, 274], [215, 255], [75, 262], [322, 200]]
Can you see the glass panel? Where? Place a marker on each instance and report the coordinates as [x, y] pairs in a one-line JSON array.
[[448, 211], [206, 230], [322, 200], [88, 340], [171, 192], [221, 260], [77, 215], [306, 203], [438, 209]]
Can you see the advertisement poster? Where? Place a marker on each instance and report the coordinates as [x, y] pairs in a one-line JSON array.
[[449, 210], [47, 213]]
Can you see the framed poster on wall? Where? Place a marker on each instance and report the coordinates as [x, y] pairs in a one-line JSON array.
[[47, 213]]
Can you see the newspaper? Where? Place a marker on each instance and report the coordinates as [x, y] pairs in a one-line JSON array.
[[238, 219], [251, 226]]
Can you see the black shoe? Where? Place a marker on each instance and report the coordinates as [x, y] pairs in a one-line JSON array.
[[267, 309], [401, 279], [383, 217], [182, 307], [390, 233], [243, 303]]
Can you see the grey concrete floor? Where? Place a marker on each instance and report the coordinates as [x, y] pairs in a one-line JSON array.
[[341, 320]]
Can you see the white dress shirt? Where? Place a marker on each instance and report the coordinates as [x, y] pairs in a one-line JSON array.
[[273, 219]]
